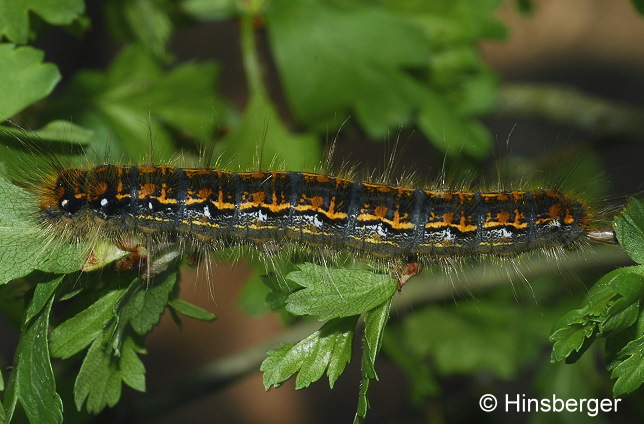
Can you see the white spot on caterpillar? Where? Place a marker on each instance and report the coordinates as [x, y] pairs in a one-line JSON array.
[[381, 231], [311, 220], [503, 233], [446, 234], [104, 202], [206, 212]]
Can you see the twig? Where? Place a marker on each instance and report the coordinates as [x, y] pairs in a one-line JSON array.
[[570, 106]]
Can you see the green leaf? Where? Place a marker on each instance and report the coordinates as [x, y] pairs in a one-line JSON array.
[[426, 69], [453, 23], [374, 327], [14, 16], [630, 372], [629, 228], [43, 293], [629, 285], [313, 42], [571, 339], [146, 21], [569, 333], [612, 310], [448, 131], [32, 381], [58, 130], [331, 293], [210, 10], [24, 246], [262, 132], [97, 379], [328, 349], [375, 322], [24, 79], [134, 103], [131, 367], [143, 308], [100, 376], [84, 328], [625, 311], [280, 289], [191, 311]]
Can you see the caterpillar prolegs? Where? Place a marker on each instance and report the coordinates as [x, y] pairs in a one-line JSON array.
[[201, 207]]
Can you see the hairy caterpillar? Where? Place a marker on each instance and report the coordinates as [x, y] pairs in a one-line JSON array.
[[188, 210], [200, 207]]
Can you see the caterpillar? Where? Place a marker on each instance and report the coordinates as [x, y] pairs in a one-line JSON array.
[[202, 207]]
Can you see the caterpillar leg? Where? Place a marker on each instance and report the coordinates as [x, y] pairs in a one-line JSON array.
[[403, 272], [140, 259], [103, 254]]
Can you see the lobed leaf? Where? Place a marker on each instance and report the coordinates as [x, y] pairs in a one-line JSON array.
[[630, 371], [328, 349], [331, 293], [131, 367], [143, 308], [613, 309], [86, 327], [99, 380], [613, 305], [570, 332], [571, 339]]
